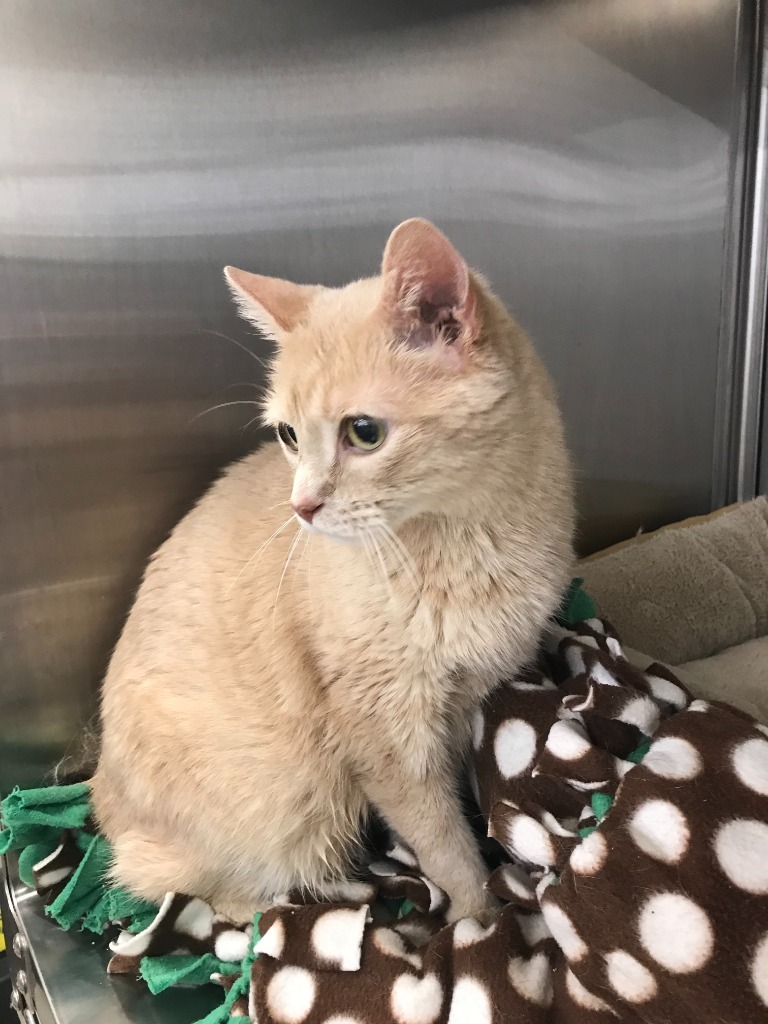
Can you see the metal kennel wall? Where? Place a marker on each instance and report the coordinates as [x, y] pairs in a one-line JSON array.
[[600, 160]]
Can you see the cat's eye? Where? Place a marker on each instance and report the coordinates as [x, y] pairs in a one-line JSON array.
[[364, 432], [287, 435]]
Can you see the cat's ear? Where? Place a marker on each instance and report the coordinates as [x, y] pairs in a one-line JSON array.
[[427, 288], [269, 303]]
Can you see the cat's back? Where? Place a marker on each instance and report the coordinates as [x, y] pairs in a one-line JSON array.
[[239, 511], [228, 545], [194, 648], [249, 498]]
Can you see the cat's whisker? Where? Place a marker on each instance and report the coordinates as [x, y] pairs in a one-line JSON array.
[[226, 337], [309, 564], [401, 558], [244, 384], [373, 565], [307, 539], [250, 421], [401, 570], [384, 574], [257, 554], [394, 555], [224, 405], [364, 539], [406, 558], [380, 564], [291, 550], [278, 504]]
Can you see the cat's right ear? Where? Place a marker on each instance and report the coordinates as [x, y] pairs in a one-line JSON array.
[[275, 306], [428, 291]]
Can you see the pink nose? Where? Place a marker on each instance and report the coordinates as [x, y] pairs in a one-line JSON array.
[[307, 510]]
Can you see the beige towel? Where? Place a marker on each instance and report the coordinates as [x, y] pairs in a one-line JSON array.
[[689, 590], [738, 676]]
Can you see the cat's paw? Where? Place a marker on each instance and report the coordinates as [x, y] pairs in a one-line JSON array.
[[481, 906]]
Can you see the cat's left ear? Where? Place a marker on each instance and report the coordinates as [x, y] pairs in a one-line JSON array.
[[275, 306], [427, 288]]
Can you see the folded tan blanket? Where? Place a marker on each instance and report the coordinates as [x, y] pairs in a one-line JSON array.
[[690, 590]]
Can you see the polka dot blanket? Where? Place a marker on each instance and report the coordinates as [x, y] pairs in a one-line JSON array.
[[626, 828]]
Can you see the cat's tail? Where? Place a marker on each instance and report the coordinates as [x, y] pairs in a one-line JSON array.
[[81, 758]]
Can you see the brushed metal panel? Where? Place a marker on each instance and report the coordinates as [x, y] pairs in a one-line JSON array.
[[67, 977], [578, 152], [740, 399]]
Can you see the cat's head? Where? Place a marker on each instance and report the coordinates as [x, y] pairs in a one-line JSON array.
[[385, 394]]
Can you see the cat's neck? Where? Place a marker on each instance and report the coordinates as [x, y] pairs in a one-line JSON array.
[[489, 529], [430, 553]]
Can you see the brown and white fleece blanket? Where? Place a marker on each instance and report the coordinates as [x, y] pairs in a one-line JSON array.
[[628, 830]]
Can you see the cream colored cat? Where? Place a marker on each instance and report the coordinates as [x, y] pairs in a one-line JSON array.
[[281, 673]]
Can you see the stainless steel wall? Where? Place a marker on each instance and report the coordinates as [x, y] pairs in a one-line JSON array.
[[578, 152]]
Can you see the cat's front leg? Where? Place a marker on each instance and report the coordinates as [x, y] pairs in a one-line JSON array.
[[428, 815]]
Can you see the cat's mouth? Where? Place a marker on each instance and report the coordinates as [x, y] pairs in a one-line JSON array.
[[355, 523], [337, 533]]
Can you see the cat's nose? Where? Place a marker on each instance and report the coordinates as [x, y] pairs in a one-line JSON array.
[[306, 509]]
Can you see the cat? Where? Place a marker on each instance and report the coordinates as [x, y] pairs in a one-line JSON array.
[[286, 668]]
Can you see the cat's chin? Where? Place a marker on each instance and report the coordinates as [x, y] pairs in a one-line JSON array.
[[350, 539]]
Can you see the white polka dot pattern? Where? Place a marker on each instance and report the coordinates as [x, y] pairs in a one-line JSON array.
[[272, 941], [416, 1000], [642, 713], [532, 979], [590, 855], [601, 675], [629, 978], [750, 762], [741, 847], [196, 919], [469, 932], [546, 684], [515, 885], [405, 856], [701, 706], [759, 970], [666, 691], [137, 945], [582, 996], [564, 932], [660, 829], [673, 758], [470, 1002], [231, 945], [291, 995], [534, 929], [390, 943], [676, 932], [337, 937], [567, 740], [514, 747], [530, 841]]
